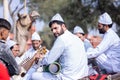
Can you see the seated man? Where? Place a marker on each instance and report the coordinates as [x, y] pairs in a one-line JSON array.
[[68, 50], [78, 31], [107, 53], [31, 54], [15, 48]]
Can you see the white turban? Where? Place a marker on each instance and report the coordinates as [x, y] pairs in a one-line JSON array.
[[10, 43], [78, 29], [105, 19], [57, 17], [35, 36]]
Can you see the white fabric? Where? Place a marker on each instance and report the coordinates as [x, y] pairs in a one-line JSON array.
[[30, 71], [44, 76], [102, 58], [35, 36], [57, 17], [29, 54], [105, 19], [10, 43], [78, 29], [110, 47], [70, 52], [87, 44], [18, 60]]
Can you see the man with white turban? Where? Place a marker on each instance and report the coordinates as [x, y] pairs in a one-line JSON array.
[[14, 46], [107, 53], [68, 50], [32, 53], [36, 43], [78, 31]]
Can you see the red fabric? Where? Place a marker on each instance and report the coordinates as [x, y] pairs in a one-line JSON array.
[[3, 72], [95, 77]]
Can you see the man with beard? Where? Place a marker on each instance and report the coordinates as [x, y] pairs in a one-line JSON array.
[[68, 50], [107, 53], [31, 55]]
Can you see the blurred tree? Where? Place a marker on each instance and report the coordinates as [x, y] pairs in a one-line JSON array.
[[14, 11], [80, 12], [47, 37], [77, 12], [1, 1], [47, 8]]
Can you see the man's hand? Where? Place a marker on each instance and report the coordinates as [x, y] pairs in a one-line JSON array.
[[40, 54]]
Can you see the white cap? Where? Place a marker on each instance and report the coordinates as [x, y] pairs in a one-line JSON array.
[[57, 17], [10, 43], [78, 29], [105, 19], [35, 36]]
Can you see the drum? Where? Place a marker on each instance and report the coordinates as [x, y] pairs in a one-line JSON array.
[[53, 68]]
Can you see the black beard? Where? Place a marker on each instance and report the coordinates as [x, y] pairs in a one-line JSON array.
[[101, 31], [61, 32]]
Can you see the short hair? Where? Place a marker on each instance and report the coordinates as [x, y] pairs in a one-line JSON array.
[[109, 25], [56, 21], [83, 34], [5, 24]]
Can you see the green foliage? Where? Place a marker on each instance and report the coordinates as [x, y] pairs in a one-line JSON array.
[[47, 8], [107, 5], [47, 37], [78, 14], [75, 12], [1, 2]]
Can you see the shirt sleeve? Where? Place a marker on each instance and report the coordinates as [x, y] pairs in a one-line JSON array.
[[54, 53], [101, 48]]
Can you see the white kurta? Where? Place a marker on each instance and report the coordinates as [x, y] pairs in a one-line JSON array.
[[87, 44], [108, 52], [29, 54], [69, 49]]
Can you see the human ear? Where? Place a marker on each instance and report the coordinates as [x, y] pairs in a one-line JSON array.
[[1, 32]]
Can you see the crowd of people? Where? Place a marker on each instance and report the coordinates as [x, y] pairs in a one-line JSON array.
[[74, 53]]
